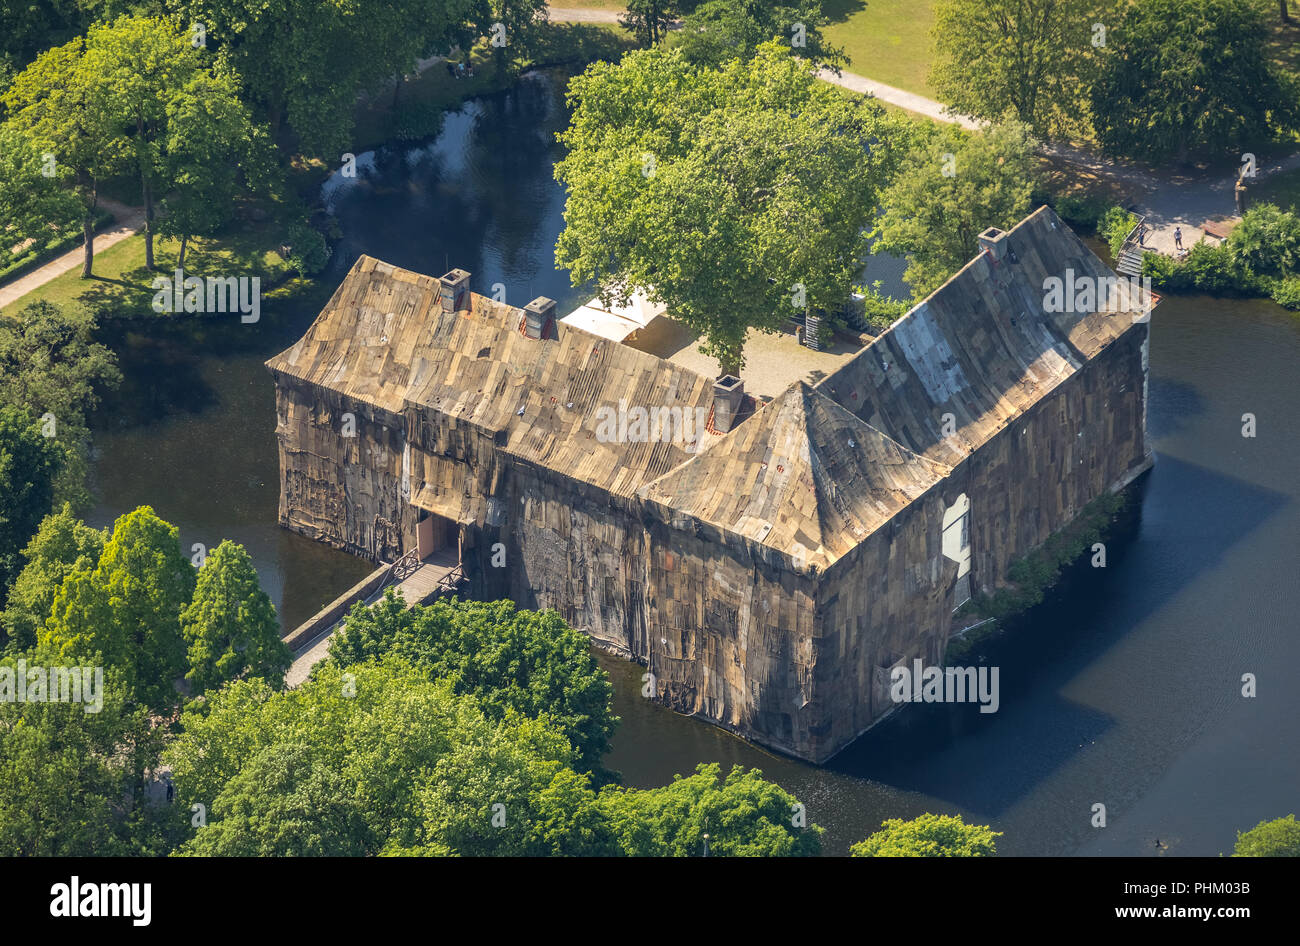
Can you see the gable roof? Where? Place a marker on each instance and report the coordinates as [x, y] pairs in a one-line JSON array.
[[383, 339], [981, 347], [803, 475]]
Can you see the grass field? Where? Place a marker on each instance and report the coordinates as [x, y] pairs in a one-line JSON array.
[[886, 40], [122, 284]]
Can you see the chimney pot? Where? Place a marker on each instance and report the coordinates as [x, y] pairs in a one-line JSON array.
[[995, 241], [539, 318], [454, 291], [728, 393]]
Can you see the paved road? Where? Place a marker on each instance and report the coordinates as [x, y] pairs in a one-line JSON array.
[[129, 220]]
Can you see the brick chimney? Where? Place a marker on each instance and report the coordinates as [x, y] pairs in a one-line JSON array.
[[728, 393], [454, 291], [995, 241], [539, 318]]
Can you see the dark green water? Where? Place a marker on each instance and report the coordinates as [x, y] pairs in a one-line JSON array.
[[1122, 689]]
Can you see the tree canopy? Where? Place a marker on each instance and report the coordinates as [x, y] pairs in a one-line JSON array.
[[531, 662], [126, 610], [735, 196], [51, 364], [35, 206], [1277, 838], [1178, 77], [1032, 57], [61, 545], [53, 103], [69, 779], [29, 463], [929, 835], [230, 625], [720, 30], [304, 62], [399, 764], [956, 185]]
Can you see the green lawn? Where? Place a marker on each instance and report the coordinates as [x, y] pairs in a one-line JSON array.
[[121, 284], [886, 40]]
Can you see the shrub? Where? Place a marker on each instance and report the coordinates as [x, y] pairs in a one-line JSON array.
[[308, 251], [1207, 268], [1286, 293], [1114, 226], [1267, 241]]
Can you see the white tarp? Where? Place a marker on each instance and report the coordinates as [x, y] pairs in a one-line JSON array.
[[614, 322]]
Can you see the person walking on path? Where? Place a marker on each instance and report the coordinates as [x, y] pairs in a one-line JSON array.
[[1178, 237]]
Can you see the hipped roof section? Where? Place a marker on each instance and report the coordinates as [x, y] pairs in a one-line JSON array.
[[981, 348], [803, 475]]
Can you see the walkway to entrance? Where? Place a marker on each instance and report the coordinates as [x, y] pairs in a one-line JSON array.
[[418, 581]]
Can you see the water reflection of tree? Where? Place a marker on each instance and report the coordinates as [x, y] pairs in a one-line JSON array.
[[512, 143]]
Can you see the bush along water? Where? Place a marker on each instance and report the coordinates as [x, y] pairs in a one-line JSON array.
[[1261, 257]]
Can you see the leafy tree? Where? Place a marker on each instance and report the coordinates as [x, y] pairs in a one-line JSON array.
[[929, 836], [1277, 838], [51, 364], [138, 65], [743, 816], [527, 661], [731, 196], [230, 625], [29, 463], [648, 20], [284, 803], [401, 765], [520, 19], [127, 609], [68, 777], [34, 207], [308, 251], [1034, 57], [62, 544], [53, 102], [720, 30], [1267, 241], [422, 766], [31, 26], [213, 154], [956, 186], [1182, 76], [306, 61]]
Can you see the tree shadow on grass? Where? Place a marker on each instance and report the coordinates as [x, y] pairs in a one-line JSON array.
[[837, 11]]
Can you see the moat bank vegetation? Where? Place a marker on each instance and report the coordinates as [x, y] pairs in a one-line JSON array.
[[1031, 577]]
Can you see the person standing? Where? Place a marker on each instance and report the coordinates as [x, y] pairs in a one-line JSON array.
[[1178, 237]]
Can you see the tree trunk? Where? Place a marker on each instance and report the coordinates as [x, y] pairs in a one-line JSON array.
[[88, 234], [397, 90], [730, 365], [147, 192], [1286, 16], [180, 261]]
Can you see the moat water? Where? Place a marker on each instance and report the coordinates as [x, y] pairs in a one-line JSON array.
[[1124, 688]]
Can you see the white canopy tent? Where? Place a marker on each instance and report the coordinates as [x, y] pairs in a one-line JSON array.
[[614, 322]]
